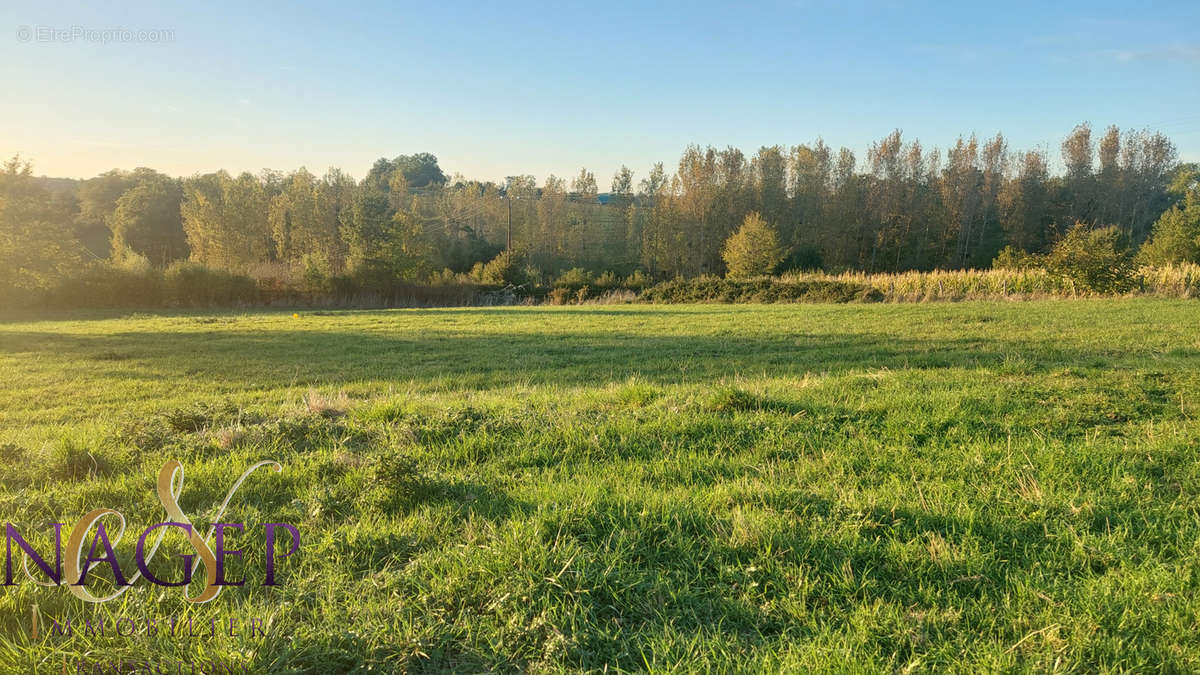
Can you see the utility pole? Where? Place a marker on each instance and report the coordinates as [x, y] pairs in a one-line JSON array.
[[508, 248]]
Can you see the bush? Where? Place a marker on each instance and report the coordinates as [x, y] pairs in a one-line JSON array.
[[107, 284], [765, 290], [574, 279], [279, 283], [316, 282], [607, 281], [445, 278], [1097, 260], [503, 270], [190, 284], [1011, 258], [578, 278], [638, 280], [558, 296], [533, 275], [369, 278]]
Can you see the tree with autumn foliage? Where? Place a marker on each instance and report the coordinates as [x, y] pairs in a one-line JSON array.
[[753, 250]]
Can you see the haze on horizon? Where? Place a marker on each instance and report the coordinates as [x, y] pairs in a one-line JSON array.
[[541, 89]]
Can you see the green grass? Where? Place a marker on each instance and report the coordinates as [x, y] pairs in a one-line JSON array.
[[966, 487]]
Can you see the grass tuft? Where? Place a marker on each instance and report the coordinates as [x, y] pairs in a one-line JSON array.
[[317, 403], [732, 399], [72, 461]]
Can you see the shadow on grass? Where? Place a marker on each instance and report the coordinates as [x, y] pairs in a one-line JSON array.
[[298, 357]]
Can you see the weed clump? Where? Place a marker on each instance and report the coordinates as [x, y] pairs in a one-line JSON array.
[[386, 413], [198, 416], [73, 461], [228, 438], [460, 422], [396, 483], [11, 454], [303, 433], [637, 393], [148, 434], [732, 399]]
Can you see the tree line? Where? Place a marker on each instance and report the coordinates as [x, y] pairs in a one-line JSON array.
[[901, 207]]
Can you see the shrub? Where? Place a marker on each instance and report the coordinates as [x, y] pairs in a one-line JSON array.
[[559, 296], [1097, 260], [638, 280], [1176, 236], [619, 296], [607, 280], [753, 250], [190, 284], [132, 262], [366, 278], [765, 289], [503, 270], [107, 284], [574, 279], [316, 282], [1011, 258], [444, 278], [533, 275], [278, 282]]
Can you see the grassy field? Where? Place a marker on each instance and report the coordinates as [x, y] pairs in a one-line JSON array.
[[926, 487]]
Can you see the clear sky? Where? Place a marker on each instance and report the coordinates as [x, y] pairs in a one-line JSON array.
[[501, 88]]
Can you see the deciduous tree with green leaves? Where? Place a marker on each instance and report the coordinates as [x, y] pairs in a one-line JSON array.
[[147, 221], [226, 220], [37, 247], [1176, 236], [753, 250]]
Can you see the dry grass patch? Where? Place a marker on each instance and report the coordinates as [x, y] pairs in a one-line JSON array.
[[316, 403]]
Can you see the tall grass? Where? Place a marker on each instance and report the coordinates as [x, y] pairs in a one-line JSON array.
[[1178, 281], [1173, 281]]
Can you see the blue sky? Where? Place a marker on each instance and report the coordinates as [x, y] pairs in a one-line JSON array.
[[501, 88]]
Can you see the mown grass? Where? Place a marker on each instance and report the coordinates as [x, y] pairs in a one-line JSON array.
[[967, 487]]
